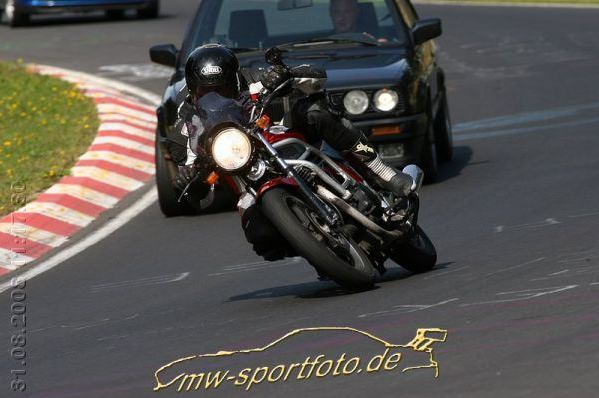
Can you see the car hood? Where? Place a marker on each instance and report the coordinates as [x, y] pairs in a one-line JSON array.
[[360, 68], [350, 69]]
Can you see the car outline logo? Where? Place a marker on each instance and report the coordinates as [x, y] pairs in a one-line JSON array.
[[211, 70]]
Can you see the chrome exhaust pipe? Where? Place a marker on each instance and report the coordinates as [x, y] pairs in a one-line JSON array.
[[355, 214], [417, 176]]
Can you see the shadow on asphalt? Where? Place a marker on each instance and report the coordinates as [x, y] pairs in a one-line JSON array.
[[461, 159], [76, 19], [316, 289]]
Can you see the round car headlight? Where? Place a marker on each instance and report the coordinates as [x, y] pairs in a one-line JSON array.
[[231, 149], [356, 102], [385, 100]]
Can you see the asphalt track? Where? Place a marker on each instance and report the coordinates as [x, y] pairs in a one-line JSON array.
[[515, 219]]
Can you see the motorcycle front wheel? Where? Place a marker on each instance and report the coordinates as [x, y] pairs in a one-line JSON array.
[[330, 252], [417, 255]]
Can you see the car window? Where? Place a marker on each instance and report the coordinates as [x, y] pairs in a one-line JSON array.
[[261, 24]]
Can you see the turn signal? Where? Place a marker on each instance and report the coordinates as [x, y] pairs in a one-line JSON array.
[[386, 130], [263, 122], [212, 178]]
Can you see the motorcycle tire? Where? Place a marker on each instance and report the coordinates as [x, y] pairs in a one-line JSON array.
[[417, 255], [281, 207]]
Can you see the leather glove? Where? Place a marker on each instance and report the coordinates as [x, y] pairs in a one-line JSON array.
[[186, 174], [246, 102], [275, 76], [186, 110]]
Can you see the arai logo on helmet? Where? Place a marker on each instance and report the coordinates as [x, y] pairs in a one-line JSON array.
[[211, 70]]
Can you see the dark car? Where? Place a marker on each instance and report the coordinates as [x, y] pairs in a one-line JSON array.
[[17, 12], [379, 58]]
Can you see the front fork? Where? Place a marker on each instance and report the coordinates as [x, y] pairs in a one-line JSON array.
[[324, 210]]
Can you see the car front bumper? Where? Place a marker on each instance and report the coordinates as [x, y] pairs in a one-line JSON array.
[[399, 140]]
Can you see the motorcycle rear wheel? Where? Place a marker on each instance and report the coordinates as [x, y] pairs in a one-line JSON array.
[[296, 222], [417, 255]]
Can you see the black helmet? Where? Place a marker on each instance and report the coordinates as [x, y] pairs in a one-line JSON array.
[[212, 67]]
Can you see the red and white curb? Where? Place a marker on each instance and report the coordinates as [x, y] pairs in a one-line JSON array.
[[119, 161]]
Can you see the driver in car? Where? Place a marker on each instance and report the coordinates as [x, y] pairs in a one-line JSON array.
[[344, 15], [214, 68]]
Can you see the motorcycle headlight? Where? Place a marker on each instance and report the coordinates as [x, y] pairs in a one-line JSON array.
[[231, 149], [356, 102], [385, 100]]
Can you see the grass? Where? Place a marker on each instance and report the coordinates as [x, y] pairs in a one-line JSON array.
[[45, 125]]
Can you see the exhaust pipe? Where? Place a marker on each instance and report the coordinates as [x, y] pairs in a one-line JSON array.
[[417, 176], [355, 214]]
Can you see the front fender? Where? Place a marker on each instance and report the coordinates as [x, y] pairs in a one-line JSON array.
[[284, 181]]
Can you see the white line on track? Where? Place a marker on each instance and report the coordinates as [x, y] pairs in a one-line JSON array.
[[521, 295], [517, 266], [256, 266], [153, 280], [406, 308], [437, 274], [121, 219], [524, 130]]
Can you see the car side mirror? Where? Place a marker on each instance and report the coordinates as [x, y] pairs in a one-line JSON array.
[[426, 29], [164, 54]]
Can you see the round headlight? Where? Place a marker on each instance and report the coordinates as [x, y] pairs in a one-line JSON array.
[[231, 149], [356, 102], [385, 100]]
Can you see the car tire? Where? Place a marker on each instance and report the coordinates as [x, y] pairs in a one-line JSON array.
[[115, 15], [15, 17], [443, 132], [150, 12], [168, 197], [429, 161]]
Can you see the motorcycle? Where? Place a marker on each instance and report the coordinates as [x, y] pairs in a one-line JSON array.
[[295, 199]]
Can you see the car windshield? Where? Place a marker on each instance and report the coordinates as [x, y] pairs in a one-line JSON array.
[[259, 24]]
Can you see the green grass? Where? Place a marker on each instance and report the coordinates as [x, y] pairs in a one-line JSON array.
[[45, 125]]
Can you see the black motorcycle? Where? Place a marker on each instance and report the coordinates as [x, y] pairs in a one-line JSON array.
[[295, 199]]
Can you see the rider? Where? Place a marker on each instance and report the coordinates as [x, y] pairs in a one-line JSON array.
[[214, 68]]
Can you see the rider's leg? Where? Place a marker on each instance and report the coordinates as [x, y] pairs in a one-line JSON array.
[[338, 132]]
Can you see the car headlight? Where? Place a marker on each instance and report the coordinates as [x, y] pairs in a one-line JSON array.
[[356, 102], [385, 100], [231, 149]]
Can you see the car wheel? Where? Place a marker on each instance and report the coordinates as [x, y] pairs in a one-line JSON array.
[[168, 197], [150, 12], [14, 15], [429, 160], [443, 132], [115, 15]]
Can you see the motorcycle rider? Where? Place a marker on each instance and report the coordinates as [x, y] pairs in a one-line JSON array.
[[214, 68]]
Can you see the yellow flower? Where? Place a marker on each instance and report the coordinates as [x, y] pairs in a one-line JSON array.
[[7, 143]]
